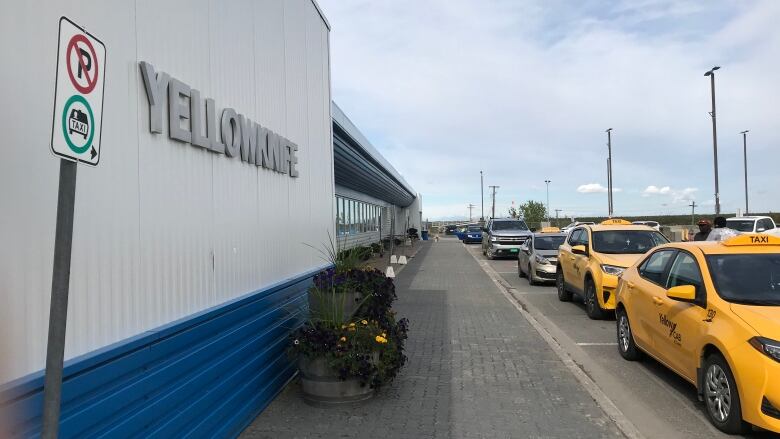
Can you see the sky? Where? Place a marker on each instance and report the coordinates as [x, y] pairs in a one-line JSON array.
[[524, 91]]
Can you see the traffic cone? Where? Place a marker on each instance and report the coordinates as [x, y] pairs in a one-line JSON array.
[[393, 259], [390, 272], [402, 260]]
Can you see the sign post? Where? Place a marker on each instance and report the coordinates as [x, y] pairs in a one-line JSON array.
[[75, 137]]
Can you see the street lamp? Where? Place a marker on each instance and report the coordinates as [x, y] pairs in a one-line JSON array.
[[482, 191], [744, 152], [609, 170], [548, 199], [711, 74]]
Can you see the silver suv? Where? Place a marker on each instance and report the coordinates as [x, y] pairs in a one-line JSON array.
[[503, 237]]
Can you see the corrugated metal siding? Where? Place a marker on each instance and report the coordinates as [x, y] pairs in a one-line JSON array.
[[207, 376], [162, 229]]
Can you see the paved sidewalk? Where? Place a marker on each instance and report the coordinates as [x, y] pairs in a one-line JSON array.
[[477, 369]]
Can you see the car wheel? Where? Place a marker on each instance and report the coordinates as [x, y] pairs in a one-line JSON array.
[[489, 255], [563, 294], [592, 307], [531, 280], [625, 338], [520, 270], [721, 396]]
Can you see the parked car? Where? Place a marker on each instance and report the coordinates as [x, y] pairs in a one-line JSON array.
[[567, 229], [710, 311], [653, 224], [593, 257], [473, 234], [753, 224], [538, 257], [450, 229], [503, 237]]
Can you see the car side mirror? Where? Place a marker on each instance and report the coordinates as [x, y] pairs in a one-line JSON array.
[[579, 250], [683, 293]]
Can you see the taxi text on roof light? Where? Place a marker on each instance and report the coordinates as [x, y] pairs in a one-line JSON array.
[[751, 239], [550, 230], [616, 222]]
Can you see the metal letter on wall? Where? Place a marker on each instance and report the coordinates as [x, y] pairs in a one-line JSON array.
[[231, 132], [155, 85], [177, 110], [199, 137]]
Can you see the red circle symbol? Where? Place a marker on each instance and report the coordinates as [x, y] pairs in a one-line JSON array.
[[85, 65]]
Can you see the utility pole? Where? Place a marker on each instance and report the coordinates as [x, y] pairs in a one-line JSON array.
[[494, 200], [711, 74], [482, 191], [609, 170], [470, 206], [744, 151], [548, 199], [693, 213], [557, 211]]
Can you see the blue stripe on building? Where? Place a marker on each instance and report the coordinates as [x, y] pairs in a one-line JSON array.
[[207, 375]]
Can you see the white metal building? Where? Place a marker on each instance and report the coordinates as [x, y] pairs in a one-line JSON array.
[[189, 266], [218, 169]]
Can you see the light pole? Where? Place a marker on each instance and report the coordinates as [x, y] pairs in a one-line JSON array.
[[482, 191], [557, 211], [470, 206], [744, 152], [548, 199], [711, 74], [609, 170], [494, 200], [693, 213]]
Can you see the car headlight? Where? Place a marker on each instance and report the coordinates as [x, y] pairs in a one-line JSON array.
[[493, 239], [541, 260], [613, 270], [768, 347]]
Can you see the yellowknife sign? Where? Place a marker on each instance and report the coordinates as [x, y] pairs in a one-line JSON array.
[[78, 99]]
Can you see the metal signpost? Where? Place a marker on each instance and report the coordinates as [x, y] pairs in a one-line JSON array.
[[75, 137]]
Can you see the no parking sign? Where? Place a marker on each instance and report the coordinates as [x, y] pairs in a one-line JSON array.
[[78, 99]]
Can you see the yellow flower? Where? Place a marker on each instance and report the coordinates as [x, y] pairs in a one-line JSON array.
[[384, 335], [365, 322], [343, 339], [343, 326], [380, 339], [351, 325]]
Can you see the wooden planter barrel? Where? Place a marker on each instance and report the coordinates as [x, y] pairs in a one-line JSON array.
[[322, 386]]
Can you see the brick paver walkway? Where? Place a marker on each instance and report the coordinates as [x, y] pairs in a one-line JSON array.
[[476, 369]]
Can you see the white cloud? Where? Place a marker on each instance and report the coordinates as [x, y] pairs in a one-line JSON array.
[[461, 86], [676, 195], [595, 188], [591, 188]]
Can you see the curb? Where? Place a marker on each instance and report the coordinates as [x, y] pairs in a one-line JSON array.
[[610, 409]]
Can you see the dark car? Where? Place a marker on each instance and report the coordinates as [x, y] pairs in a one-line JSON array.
[[503, 237], [473, 234], [450, 229]]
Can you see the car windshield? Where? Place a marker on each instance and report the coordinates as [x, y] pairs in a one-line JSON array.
[[626, 241], [509, 225], [548, 242], [740, 225], [474, 229], [752, 279]]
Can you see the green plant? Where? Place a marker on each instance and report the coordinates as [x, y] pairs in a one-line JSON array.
[[533, 211], [341, 258]]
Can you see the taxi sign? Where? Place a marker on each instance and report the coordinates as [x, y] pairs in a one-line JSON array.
[[616, 222], [751, 239], [550, 230], [78, 99]]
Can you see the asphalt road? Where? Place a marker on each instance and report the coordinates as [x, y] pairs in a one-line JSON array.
[[655, 400]]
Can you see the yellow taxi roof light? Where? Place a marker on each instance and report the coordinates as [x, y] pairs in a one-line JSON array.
[[751, 239], [550, 230], [616, 222]]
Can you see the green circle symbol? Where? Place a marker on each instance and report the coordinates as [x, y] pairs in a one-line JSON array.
[[73, 99]]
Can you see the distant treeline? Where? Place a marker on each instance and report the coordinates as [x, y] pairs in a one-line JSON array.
[[665, 220]]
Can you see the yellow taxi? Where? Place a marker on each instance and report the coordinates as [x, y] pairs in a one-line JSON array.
[[710, 311], [593, 256]]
